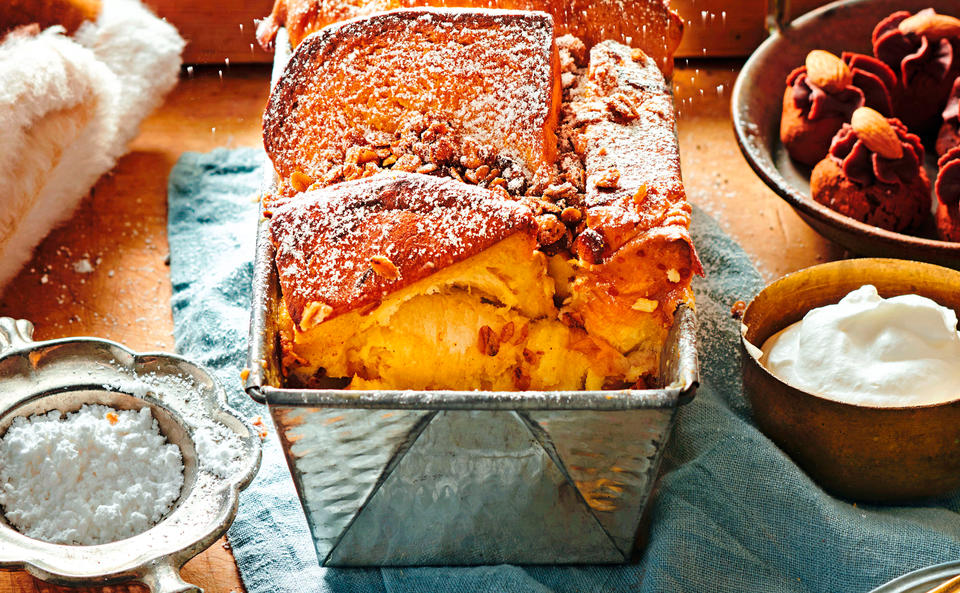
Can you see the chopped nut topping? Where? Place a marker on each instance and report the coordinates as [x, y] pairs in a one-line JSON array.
[[300, 181], [314, 314], [673, 275], [563, 190], [622, 107], [608, 179], [645, 305], [488, 341], [551, 230], [531, 357], [641, 194], [571, 215], [407, 162], [383, 267], [521, 378]]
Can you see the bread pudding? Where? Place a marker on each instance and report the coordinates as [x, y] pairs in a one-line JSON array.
[[420, 244], [648, 25]]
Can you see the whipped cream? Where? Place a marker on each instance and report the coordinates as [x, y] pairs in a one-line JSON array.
[[867, 350]]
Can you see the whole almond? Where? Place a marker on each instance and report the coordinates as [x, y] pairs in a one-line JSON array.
[[932, 25], [827, 71], [877, 133]]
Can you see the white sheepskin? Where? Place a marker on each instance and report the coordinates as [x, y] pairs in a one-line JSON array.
[[68, 109]]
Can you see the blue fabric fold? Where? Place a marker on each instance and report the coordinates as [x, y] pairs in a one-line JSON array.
[[732, 512]]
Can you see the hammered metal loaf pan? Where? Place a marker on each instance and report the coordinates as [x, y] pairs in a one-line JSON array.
[[402, 478]]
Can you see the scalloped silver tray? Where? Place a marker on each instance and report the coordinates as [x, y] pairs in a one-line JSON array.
[[64, 374]]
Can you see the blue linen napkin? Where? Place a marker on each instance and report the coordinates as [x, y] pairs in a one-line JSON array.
[[732, 514]]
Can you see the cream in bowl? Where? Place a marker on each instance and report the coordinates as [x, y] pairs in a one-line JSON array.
[[868, 350], [862, 394]]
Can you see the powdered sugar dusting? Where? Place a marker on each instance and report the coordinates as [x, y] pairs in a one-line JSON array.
[[490, 74], [325, 239], [96, 476], [620, 118]]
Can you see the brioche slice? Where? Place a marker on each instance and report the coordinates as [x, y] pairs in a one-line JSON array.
[[489, 76], [405, 281], [648, 25], [635, 256]]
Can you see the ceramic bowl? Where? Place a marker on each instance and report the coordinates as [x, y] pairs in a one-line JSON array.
[[855, 451], [756, 106]]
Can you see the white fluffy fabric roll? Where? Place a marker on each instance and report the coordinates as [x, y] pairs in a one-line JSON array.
[[68, 109]]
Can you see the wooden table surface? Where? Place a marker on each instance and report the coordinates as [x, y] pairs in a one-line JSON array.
[[120, 229]]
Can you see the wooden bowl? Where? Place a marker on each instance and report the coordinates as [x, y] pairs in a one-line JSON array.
[[756, 106], [854, 451]]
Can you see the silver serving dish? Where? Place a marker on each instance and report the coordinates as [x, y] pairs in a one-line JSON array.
[[64, 374], [465, 477]]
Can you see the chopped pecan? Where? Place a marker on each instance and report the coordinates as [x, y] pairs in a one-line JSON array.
[[506, 332], [314, 314], [333, 175], [408, 163], [300, 181], [590, 246], [622, 107], [477, 175], [521, 379], [550, 229], [531, 357], [488, 341], [607, 179], [571, 215], [383, 267]]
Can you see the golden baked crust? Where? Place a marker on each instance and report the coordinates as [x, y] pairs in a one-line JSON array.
[[492, 76], [648, 25], [635, 255], [347, 246], [574, 288]]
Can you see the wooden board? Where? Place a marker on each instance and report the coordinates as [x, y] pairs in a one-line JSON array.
[[121, 229]]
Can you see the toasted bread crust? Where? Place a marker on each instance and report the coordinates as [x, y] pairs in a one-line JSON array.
[[364, 78], [648, 25], [622, 122], [346, 246]]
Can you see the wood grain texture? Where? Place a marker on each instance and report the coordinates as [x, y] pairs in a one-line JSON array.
[[217, 31], [121, 230]]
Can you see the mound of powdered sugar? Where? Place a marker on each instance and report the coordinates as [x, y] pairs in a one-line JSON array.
[[95, 476]]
